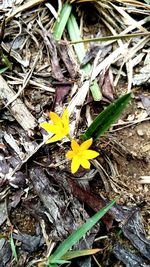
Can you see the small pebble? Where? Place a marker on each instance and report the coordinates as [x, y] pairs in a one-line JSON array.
[[140, 132]]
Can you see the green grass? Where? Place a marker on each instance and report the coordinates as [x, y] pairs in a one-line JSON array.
[[13, 248], [58, 257]]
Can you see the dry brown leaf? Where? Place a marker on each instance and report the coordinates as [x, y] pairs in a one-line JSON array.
[[28, 5]]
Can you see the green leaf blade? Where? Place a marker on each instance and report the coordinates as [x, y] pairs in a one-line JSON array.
[[106, 118], [74, 33], [78, 234], [13, 248], [3, 70], [79, 253], [61, 22]]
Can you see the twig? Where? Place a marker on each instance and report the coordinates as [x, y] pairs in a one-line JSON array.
[[17, 108], [25, 82]]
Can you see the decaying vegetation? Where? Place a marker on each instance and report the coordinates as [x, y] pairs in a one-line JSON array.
[[81, 56]]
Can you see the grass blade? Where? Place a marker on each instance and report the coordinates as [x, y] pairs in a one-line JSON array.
[[79, 253], [61, 21], [13, 247], [106, 118], [110, 38], [78, 234], [74, 34], [3, 70], [52, 265], [61, 261], [5, 61], [95, 91]]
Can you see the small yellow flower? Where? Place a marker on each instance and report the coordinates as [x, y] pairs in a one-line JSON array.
[[80, 155], [59, 127]]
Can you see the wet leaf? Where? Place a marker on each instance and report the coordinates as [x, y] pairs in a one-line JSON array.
[[61, 92], [106, 85], [5, 252], [92, 200], [52, 47], [29, 243], [70, 65], [134, 231], [127, 257], [54, 206], [3, 212]]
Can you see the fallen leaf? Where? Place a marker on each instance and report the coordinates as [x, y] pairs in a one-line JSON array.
[[29, 4], [146, 103]]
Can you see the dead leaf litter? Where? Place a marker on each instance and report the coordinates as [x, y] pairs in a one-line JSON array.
[[41, 201]]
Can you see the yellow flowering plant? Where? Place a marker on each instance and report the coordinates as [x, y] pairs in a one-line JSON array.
[[81, 154], [59, 126]]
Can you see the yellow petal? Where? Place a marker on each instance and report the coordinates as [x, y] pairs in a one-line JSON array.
[[64, 131], [75, 164], [50, 128], [85, 164], [55, 118], [70, 154], [85, 145], [90, 154], [55, 138], [75, 147], [44, 125]]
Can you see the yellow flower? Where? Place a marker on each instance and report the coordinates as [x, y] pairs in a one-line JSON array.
[[80, 155], [59, 127]]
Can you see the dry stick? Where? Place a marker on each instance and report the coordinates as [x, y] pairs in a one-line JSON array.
[[134, 3], [103, 174], [29, 155], [128, 124], [131, 22], [17, 108], [22, 115], [25, 82], [25, 6], [15, 55]]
